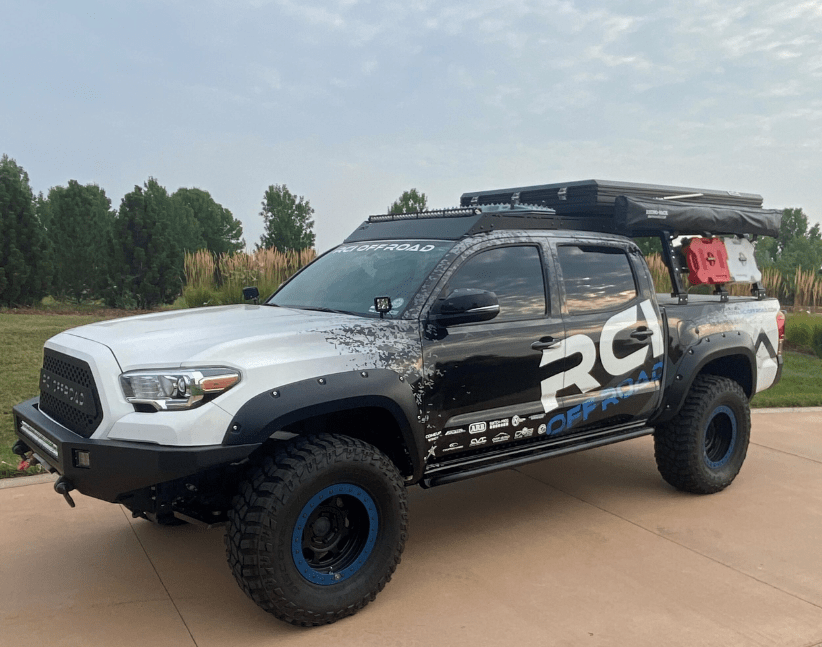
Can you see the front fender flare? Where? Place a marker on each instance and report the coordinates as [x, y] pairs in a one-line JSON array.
[[283, 405]]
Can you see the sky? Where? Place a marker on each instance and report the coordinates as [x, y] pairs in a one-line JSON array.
[[350, 102]]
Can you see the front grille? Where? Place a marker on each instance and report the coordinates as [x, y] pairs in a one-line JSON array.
[[68, 393]]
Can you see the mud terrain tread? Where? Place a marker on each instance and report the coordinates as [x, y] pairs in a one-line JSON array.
[[265, 491], [678, 443]]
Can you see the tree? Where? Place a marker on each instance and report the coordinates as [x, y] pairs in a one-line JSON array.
[[288, 223], [221, 232], [79, 220], [797, 245], [149, 237], [25, 267], [409, 202]]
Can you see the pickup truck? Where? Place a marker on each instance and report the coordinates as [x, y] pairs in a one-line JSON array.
[[425, 349]]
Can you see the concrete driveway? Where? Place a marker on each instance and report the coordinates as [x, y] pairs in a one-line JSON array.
[[587, 549]]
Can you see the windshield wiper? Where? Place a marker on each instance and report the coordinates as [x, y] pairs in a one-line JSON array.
[[323, 309]]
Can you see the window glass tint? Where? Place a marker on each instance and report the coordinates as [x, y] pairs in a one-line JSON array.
[[514, 274], [595, 278]]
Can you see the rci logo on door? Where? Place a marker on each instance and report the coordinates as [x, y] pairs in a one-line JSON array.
[[580, 375]]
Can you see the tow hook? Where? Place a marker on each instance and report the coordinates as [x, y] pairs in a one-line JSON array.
[[21, 449], [63, 486]]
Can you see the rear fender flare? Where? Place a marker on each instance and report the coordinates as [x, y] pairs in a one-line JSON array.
[[708, 349]]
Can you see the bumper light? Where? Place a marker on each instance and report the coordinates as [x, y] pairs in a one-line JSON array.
[[39, 439], [175, 390]]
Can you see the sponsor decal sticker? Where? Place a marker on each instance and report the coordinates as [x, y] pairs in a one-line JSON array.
[[454, 432], [501, 437], [477, 428], [536, 416], [478, 441], [432, 437], [516, 421], [542, 429], [525, 432], [431, 451], [452, 447], [498, 424]]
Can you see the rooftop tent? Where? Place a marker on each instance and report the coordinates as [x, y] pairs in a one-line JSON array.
[[644, 209]]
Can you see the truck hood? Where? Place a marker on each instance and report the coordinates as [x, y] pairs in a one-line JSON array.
[[245, 336]]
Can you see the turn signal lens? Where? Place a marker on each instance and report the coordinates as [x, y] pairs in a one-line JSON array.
[[219, 383]]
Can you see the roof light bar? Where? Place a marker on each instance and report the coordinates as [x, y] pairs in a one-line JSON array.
[[456, 212]]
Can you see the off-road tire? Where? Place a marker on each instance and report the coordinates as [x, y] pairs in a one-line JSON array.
[[702, 449], [264, 522]]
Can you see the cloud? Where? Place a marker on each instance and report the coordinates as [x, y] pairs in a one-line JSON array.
[[269, 76]]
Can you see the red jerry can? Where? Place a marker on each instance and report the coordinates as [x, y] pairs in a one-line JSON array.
[[707, 261]]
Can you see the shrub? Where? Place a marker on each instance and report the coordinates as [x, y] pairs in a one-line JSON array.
[[798, 333], [816, 340], [196, 297]]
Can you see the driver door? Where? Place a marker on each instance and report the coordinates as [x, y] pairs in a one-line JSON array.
[[484, 386]]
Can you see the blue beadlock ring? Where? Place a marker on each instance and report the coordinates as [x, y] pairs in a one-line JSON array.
[[727, 455], [326, 579]]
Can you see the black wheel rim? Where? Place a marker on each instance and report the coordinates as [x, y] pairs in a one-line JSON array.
[[720, 437], [335, 534]]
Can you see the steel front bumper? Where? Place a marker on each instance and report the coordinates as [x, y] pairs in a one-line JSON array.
[[114, 467]]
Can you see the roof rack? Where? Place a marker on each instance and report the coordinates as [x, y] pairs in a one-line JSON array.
[[462, 212], [455, 223]]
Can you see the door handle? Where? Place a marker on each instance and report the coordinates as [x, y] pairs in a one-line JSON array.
[[642, 333], [545, 343]]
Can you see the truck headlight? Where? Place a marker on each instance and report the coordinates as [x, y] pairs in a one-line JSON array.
[[176, 389]]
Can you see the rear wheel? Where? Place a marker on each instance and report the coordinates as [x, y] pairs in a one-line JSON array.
[[703, 448], [317, 529]]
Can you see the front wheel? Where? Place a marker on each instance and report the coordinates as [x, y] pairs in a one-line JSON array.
[[703, 448], [317, 529]]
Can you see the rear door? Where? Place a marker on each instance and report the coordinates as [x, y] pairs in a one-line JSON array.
[[613, 348]]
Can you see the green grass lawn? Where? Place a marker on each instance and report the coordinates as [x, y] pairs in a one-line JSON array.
[[21, 349], [800, 386]]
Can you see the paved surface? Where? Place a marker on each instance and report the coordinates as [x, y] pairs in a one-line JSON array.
[[588, 549]]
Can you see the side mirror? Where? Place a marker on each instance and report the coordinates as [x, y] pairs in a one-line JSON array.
[[465, 305]]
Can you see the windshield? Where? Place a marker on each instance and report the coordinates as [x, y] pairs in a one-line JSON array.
[[350, 277]]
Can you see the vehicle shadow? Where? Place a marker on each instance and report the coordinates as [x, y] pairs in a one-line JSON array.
[[479, 517]]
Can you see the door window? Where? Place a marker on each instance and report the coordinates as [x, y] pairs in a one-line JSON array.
[[514, 274], [595, 278]]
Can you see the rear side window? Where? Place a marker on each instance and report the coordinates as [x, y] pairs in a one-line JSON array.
[[514, 274], [595, 278]]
